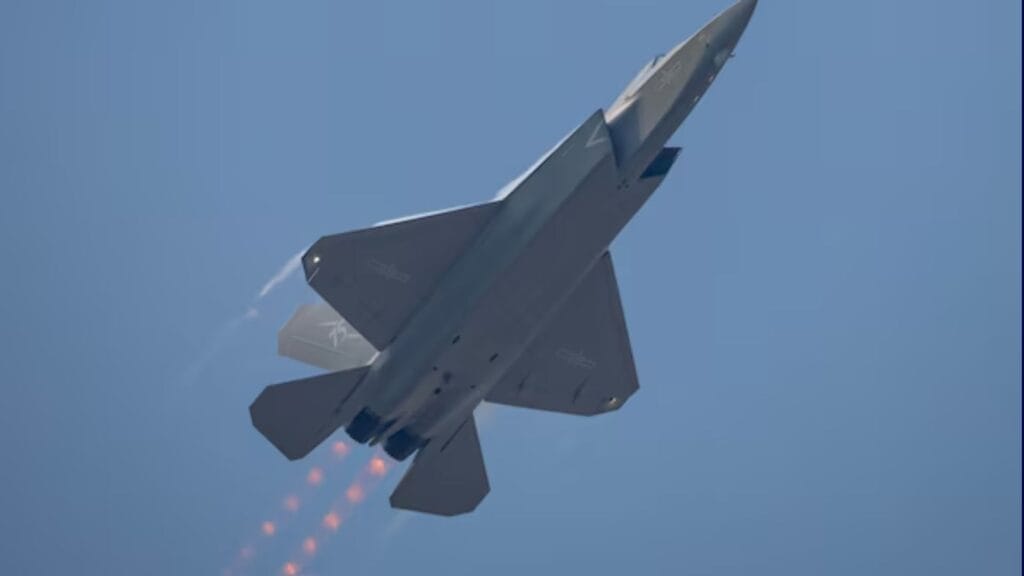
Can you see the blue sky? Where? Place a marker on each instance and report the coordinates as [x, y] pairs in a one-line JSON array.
[[823, 297]]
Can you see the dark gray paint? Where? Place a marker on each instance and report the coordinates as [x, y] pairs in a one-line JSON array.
[[454, 300]]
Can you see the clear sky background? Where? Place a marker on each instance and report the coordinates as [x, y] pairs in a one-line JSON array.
[[823, 297]]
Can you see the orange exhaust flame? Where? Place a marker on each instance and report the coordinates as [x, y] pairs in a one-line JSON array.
[[355, 494], [340, 449], [275, 524], [378, 467], [332, 521], [366, 480]]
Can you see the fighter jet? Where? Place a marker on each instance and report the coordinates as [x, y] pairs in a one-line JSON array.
[[512, 301]]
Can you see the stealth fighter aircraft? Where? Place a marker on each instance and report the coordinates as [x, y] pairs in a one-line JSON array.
[[512, 301]]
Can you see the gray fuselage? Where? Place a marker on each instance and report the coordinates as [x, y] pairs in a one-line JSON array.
[[550, 231]]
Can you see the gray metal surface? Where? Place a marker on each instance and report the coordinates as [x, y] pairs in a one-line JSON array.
[[514, 301], [377, 277], [319, 336], [581, 363], [454, 330], [448, 477], [297, 416]]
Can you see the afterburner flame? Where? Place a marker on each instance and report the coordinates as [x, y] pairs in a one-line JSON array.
[[291, 503], [378, 467], [340, 449], [332, 521], [309, 546], [268, 528], [355, 493], [290, 569]]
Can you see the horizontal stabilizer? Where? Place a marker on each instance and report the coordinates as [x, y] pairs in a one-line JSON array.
[[447, 477], [297, 416], [319, 336]]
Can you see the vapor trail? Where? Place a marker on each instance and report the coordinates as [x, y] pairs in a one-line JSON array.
[[289, 268], [227, 330], [220, 339]]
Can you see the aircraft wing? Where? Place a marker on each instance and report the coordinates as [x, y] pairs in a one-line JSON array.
[[447, 477], [582, 362], [319, 336], [376, 277]]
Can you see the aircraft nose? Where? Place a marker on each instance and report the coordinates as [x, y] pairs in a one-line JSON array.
[[724, 31]]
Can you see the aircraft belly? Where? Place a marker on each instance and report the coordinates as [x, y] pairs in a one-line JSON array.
[[395, 386], [497, 299], [523, 297]]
